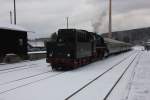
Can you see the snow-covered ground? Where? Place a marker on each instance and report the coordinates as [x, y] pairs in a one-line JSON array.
[[36, 81], [140, 85]]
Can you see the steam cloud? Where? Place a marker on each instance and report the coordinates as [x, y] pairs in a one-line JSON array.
[[99, 21]]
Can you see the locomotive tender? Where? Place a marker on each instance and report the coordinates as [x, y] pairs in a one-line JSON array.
[[72, 48]]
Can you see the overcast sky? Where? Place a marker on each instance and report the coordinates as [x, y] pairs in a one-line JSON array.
[[47, 16]]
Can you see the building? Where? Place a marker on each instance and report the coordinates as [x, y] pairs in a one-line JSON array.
[[34, 45], [13, 40]]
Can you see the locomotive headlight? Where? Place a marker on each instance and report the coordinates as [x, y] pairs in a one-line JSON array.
[[68, 55]]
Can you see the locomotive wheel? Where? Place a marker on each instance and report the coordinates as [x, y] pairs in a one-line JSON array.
[[53, 68], [57, 67]]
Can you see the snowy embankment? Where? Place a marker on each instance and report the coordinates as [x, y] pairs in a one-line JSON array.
[[36, 81], [101, 87], [140, 85]]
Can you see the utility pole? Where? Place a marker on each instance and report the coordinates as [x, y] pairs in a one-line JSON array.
[[110, 19], [15, 12], [10, 17], [67, 22]]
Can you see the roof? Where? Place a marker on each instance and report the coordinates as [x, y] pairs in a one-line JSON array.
[[147, 42], [112, 40], [12, 27], [115, 41]]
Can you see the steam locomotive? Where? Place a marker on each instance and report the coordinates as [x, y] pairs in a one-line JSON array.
[[72, 48]]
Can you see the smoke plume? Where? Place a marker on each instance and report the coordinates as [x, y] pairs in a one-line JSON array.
[[99, 20]]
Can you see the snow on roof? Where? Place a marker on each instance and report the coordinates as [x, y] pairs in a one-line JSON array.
[[36, 44], [115, 41], [12, 27], [112, 40], [148, 42]]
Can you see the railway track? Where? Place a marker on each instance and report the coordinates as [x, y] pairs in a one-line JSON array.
[[24, 67], [24, 78], [19, 68], [101, 75], [2, 63], [26, 61], [6, 90], [17, 65], [4, 70], [132, 76], [28, 83], [118, 80]]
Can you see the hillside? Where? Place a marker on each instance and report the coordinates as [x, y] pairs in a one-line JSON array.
[[135, 36]]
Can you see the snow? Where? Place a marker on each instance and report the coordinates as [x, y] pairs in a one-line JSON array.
[[13, 27], [26, 63], [35, 52], [36, 43], [140, 86], [35, 80], [125, 83], [63, 84], [92, 92], [138, 47]]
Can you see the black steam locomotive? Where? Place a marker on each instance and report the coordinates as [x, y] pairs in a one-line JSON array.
[[72, 48]]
